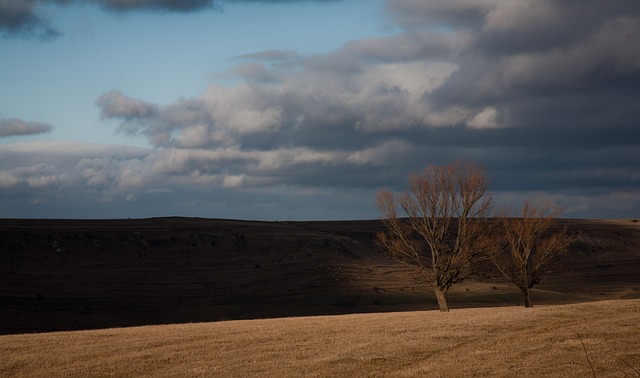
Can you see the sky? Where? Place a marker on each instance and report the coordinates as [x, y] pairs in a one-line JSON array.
[[305, 109]]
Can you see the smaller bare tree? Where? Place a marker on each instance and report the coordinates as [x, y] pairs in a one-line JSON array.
[[528, 246], [446, 226]]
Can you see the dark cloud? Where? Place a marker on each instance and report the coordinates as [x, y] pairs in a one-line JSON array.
[[419, 15], [19, 18], [179, 5], [524, 26], [165, 5], [553, 118], [482, 80], [15, 126]]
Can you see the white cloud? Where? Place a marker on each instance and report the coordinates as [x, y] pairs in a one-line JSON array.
[[233, 181], [7, 180], [486, 119], [382, 154], [63, 148], [243, 109]]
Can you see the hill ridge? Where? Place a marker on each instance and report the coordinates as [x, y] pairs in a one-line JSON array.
[[84, 274]]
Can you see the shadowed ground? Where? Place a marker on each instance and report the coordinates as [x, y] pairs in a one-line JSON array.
[[84, 274]]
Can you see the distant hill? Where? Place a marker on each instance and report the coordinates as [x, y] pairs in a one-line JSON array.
[[84, 274]]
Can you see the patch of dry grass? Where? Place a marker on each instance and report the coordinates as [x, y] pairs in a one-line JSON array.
[[514, 341]]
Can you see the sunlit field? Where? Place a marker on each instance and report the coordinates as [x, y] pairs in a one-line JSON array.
[[560, 340]]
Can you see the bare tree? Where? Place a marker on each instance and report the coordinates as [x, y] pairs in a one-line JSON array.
[[445, 226], [528, 246]]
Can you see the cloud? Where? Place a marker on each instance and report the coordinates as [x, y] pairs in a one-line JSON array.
[[115, 105], [479, 80], [270, 55], [486, 119], [15, 126], [80, 176], [19, 18], [164, 5], [69, 165], [465, 79], [180, 5]]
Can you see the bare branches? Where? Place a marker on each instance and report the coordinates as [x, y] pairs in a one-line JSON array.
[[529, 245], [445, 229]]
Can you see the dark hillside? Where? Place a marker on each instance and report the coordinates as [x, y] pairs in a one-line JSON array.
[[80, 274]]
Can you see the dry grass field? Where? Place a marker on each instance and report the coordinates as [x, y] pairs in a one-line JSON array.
[[503, 342]]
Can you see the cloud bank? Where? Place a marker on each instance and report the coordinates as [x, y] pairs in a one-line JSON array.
[[543, 93]]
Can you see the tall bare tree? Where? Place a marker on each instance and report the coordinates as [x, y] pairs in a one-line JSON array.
[[445, 226], [529, 245]]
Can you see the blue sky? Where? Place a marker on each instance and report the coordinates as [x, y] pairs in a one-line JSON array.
[[304, 109], [158, 56]]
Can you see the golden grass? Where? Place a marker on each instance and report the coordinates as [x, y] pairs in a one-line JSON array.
[[514, 341]]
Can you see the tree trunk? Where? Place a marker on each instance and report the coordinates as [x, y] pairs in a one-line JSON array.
[[527, 296], [442, 299]]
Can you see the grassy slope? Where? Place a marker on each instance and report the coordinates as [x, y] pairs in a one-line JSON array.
[[506, 341]]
